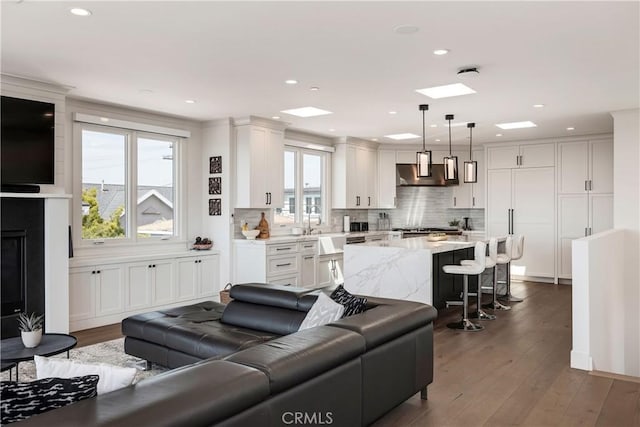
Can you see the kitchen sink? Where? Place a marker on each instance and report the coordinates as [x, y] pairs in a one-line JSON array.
[[331, 243]]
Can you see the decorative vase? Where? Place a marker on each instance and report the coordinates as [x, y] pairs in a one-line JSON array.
[[32, 338]]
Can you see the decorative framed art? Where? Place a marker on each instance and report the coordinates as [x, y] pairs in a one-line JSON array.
[[215, 164], [215, 207], [215, 185]]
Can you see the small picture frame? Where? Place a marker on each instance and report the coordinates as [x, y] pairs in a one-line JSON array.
[[215, 185], [215, 207], [215, 164]]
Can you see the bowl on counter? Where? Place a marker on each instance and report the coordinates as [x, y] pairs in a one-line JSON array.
[[250, 234]]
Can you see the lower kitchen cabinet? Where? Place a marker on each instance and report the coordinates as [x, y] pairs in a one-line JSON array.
[[330, 270], [106, 293]]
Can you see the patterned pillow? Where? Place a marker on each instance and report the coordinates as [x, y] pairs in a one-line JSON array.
[[352, 304], [322, 312], [20, 401]]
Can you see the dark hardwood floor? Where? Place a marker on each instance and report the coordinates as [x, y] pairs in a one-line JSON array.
[[514, 372]]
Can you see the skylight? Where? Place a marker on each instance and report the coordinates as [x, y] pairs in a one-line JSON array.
[[306, 112], [517, 125], [446, 91], [401, 136]]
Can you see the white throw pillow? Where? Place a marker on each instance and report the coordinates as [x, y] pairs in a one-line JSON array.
[[111, 377], [323, 311]]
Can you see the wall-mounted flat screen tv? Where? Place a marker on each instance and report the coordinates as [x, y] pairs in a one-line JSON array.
[[27, 141]]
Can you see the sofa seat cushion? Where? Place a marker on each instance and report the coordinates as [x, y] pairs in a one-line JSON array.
[[201, 394], [194, 330], [387, 319], [295, 358]]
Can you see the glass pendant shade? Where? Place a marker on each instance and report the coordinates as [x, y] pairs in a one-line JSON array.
[[450, 168], [470, 171], [423, 160]]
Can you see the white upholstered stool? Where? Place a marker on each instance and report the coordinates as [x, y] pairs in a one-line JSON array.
[[472, 267], [493, 255], [490, 262], [517, 249]]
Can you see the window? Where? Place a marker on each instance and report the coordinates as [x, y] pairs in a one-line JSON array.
[[128, 184], [304, 187]]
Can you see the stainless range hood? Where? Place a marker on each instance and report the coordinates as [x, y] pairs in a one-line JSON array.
[[407, 175]]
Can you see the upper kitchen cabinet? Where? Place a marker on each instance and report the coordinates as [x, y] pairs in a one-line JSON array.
[[585, 167], [259, 163], [524, 155], [386, 179], [469, 195], [355, 178]]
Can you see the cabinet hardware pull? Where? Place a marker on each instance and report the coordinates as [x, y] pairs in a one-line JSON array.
[[369, 201], [590, 185], [308, 257], [98, 271], [283, 265], [283, 249], [590, 231], [308, 246], [586, 233], [394, 201], [473, 202], [454, 201]]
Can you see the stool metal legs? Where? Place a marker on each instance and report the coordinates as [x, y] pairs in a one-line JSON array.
[[465, 324], [480, 313], [508, 295], [495, 304]]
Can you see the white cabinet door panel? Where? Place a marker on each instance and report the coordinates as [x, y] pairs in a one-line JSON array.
[[602, 167], [573, 212], [499, 201], [163, 281], [289, 280], [477, 197], [186, 279], [574, 167], [308, 271], [138, 293], [538, 257], [533, 196], [406, 156], [502, 157], [601, 212], [537, 155], [82, 294], [110, 290], [386, 179], [209, 277], [564, 271]]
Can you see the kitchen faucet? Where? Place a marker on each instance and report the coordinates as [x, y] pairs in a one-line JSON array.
[[310, 208]]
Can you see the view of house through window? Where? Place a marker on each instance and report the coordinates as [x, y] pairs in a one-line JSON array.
[[121, 198], [304, 188]]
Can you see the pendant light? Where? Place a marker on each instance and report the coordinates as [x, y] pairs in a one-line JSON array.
[[450, 162], [471, 166], [423, 158]]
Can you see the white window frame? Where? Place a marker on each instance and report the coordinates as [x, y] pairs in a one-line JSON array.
[[300, 216], [131, 165]]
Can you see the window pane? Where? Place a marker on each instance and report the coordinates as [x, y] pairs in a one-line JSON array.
[[312, 178], [104, 195], [155, 189], [286, 213]]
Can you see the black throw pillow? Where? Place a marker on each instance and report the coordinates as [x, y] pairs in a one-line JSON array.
[[20, 401], [352, 304]]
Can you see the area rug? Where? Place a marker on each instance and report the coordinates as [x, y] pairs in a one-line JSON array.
[[109, 352]]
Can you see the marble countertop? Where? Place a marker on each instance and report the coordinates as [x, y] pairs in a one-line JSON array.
[[291, 238], [451, 244]]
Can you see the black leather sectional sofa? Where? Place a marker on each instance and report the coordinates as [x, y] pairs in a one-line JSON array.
[[247, 365]]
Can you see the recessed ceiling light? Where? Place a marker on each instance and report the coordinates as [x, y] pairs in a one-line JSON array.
[[291, 82], [314, 88], [306, 112], [275, 117], [517, 125], [104, 119], [393, 112], [441, 51], [332, 130], [538, 105], [437, 140], [571, 128], [401, 136], [446, 91], [406, 29], [498, 134], [433, 126], [80, 12], [374, 139], [190, 101]]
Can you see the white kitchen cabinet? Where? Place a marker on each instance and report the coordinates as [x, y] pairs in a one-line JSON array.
[[469, 195], [95, 291], [197, 277], [308, 270], [519, 156], [354, 170], [386, 179], [522, 202], [585, 167], [585, 194], [406, 156], [330, 270], [259, 168]]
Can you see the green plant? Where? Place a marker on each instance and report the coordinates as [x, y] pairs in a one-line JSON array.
[[454, 222], [30, 323]]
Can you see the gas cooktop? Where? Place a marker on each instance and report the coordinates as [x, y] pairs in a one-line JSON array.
[[425, 229]]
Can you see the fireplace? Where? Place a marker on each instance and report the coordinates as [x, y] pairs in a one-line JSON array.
[[14, 271], [22, 262]]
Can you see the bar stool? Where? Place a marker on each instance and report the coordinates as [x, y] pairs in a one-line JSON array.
[[490, 262], [493, 255], [516, 253], [475, 266]]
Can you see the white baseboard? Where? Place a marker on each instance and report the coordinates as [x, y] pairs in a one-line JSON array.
[[581, 360]]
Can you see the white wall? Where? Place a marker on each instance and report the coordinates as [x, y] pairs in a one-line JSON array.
[[626, 215]]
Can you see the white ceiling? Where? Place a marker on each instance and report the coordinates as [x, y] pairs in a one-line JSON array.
[[580, 59]]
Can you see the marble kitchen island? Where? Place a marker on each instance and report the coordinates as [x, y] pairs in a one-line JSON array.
[[408, 269]]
